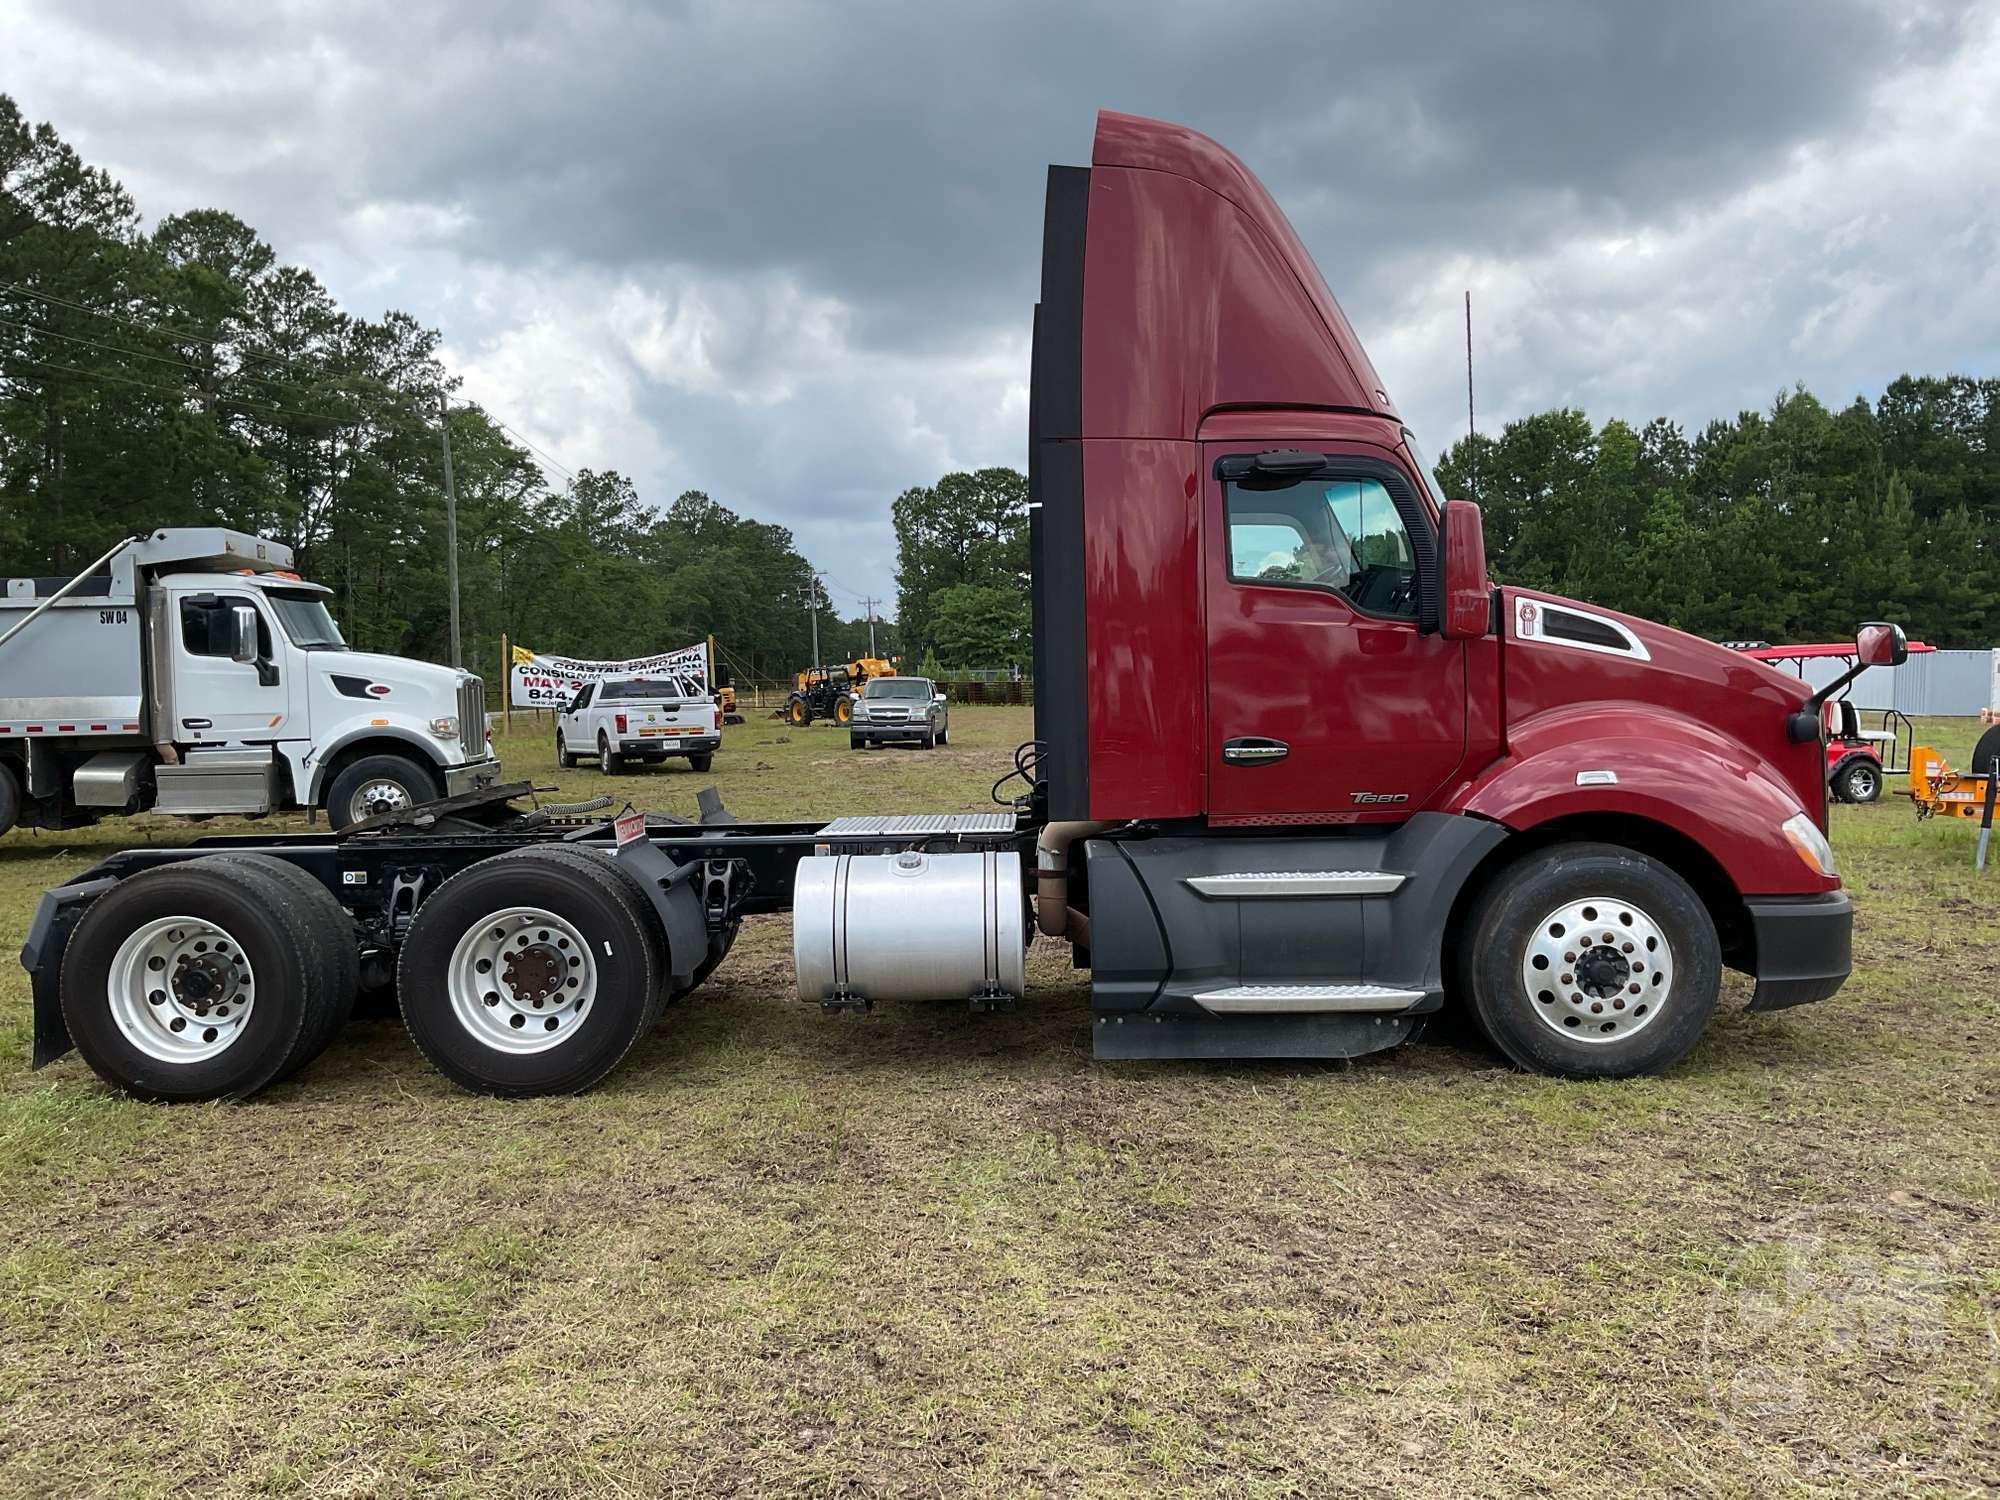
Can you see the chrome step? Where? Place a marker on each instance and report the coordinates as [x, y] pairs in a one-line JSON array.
[[1301, 999], [1252, 884]]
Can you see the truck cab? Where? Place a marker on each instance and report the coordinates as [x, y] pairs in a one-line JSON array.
[[1318, 768], [198, 674]]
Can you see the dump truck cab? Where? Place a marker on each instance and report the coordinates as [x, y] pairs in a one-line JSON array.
[[195, 672]]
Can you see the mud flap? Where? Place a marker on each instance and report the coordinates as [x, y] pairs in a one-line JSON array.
[[675, 891], [42, 955]]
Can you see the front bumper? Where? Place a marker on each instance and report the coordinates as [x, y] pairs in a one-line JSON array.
[[1804, 948], [906, 731], [471, 776], [685, 744]]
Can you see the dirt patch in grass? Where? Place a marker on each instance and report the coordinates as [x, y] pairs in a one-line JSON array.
[[926, 1250]]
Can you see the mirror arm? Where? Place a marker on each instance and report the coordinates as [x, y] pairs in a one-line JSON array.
[[1814, 703]]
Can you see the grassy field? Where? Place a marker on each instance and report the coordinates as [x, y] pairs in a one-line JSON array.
[[926, 1250]]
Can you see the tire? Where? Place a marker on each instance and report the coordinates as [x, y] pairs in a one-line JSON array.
[[843, 711], [600, 947], [10, 799], [798, 712], [609, 761], [327, 939], [1860, 780], [1520, 922], [269, 1026], [929, 741], [701, 763], [375, 784], [944, 735], [1986, 754], [563, 757], [642, 909], [856, 742]]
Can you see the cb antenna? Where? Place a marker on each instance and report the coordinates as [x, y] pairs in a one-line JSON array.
[[1471, 432]]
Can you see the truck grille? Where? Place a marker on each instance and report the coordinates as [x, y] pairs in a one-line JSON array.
[[472, 717]]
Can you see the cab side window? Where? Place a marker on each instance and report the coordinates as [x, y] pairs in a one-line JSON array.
[[206, 625], [1342, 535]]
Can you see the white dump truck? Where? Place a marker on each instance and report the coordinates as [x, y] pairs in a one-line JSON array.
[[192, 671]]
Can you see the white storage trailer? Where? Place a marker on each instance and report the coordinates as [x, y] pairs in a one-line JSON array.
[[192, 671]]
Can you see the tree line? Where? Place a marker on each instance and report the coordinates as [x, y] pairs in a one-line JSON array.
[[1793, 524], [182, 374]]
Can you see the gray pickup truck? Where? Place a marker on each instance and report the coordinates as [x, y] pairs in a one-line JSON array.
[[900, 708]]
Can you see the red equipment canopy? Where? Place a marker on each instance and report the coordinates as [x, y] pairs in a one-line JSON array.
[[1806, 653]]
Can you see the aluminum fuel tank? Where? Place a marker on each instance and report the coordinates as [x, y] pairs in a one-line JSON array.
[[909, 926]]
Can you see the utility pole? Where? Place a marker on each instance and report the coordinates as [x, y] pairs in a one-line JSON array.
[[450, 533], [812, 608], [869, 605]]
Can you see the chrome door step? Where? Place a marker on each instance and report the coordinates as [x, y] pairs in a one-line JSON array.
[[1305, 999], [1255, 884]]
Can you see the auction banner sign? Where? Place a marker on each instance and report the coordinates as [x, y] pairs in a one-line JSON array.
[[538, 681]]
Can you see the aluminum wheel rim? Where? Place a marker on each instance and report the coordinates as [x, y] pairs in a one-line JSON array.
[[522, 980], [1861, 781], [181, 989], [1598, 970], [379, 797]]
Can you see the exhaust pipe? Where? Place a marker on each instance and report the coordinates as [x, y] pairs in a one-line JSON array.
[[1053, 914]]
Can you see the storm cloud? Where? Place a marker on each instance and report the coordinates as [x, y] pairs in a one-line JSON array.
[[786, 253]]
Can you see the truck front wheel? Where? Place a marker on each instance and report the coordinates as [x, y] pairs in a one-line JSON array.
[[377, 784], [1591, 961], [530, 973]]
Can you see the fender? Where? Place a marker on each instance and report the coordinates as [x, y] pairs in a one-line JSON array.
[[401, 734], [1648, 762]]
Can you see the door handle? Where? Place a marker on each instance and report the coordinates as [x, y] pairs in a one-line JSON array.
[[1252, 751], [197, 723]]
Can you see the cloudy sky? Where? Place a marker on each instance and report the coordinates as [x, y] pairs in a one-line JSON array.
[[787, 253]]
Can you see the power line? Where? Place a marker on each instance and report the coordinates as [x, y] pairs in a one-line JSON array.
[[158, 390], [288, 387], [566, 473], [314, 370], [320, 372], [150, 326], [186, 394]]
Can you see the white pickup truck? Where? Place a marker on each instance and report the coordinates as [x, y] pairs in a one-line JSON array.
[[620, 719]]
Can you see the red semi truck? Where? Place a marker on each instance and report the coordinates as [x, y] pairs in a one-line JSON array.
[[1301, 777]]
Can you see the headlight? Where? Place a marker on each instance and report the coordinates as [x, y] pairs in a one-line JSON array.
[[445, 728], [1803, 834]]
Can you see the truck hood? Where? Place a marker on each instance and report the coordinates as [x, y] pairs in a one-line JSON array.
[[1564, 657], [419, 688]]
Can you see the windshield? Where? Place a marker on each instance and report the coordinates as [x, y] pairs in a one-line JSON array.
[[649, 687], [306, 620], [897, 687]]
